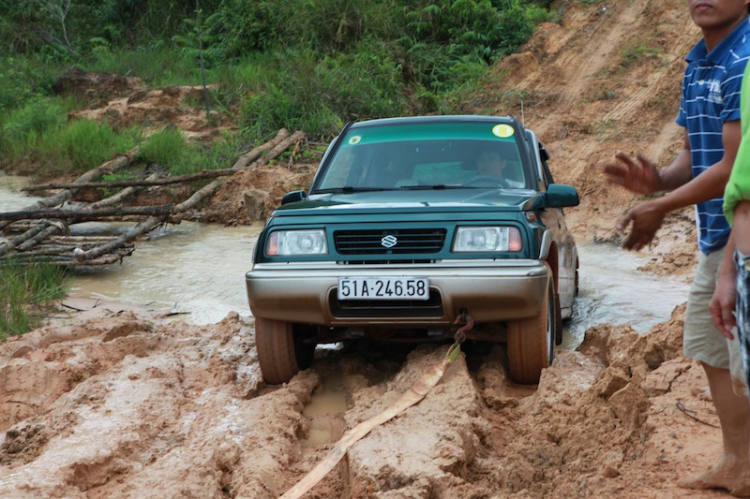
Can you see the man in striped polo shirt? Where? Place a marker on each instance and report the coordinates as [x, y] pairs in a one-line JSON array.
[[710, 114]]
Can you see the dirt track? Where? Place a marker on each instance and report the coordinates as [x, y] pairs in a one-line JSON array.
[[129, 405]]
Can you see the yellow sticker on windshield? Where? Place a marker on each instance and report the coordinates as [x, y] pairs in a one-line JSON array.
[[503, 131], [355, 139]]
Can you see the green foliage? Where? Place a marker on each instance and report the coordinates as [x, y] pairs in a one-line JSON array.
[[14, 89], [24, 292], [298, 64], [22, 128], [208, 43], [315, 95], [33, 119], [164, 148], [264, 113], [169, 150], [23, 79], [157, 64], [85, 144]]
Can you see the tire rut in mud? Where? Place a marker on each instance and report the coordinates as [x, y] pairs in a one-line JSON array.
[[440, 447]]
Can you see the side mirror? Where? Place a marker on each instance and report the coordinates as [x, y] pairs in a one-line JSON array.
[[293, 197], [561, 196]]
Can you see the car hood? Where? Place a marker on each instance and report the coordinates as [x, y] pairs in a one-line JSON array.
[[414, 200]]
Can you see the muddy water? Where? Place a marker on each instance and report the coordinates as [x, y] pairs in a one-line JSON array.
[[194, 270], [325, 412], [11, 198], [612, 290], [197, 271]]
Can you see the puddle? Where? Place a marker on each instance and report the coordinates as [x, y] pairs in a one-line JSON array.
[[613, 290], [195, 270], [11, 197], [325, 412]]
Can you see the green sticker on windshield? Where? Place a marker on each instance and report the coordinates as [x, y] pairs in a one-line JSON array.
[[355, 139], [503, 131]]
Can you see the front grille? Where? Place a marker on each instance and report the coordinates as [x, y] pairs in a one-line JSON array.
[[370, 242]]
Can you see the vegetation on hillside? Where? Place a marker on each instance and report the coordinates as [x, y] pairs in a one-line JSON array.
[[300, 64]]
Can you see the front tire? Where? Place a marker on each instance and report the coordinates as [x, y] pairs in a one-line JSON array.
[[282, 350], [531, 342]]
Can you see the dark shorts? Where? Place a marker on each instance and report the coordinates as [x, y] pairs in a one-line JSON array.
[[743, 311]]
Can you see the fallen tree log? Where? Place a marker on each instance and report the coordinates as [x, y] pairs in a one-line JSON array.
[[275, 146], [13, 243], [88, 214], [52, 227], [78, 240], [65, 251], [137, 183], [110, 166], [121, 196], [63, 261]]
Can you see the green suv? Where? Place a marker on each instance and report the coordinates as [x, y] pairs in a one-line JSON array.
[[412, 228]]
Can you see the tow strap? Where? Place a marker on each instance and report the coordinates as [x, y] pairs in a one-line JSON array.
[[416, 393]]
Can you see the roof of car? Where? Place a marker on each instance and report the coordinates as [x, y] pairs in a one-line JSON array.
[[435, 119]]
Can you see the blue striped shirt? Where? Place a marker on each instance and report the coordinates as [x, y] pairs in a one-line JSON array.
[[710, 97]]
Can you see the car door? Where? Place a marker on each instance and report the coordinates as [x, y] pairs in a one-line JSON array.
[[554, 219]]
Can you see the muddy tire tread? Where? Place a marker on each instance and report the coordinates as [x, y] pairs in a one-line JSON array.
[[277, 357], [528, 348]]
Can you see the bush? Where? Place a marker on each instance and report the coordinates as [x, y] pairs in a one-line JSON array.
[[86, 144], [316, 95], [164, 148], [22, 128]]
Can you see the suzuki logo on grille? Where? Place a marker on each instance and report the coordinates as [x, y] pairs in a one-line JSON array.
[[389, 241]]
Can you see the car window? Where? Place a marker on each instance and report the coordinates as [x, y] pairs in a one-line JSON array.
[[424, 154]]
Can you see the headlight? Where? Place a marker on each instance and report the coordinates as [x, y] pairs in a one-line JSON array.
[[487, 239], [297, 243]]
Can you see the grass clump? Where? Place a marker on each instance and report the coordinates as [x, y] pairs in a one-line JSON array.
[[86, 144], [26, 294], [165, 148]]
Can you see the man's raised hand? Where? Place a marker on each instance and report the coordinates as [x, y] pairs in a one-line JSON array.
[[641, 176]]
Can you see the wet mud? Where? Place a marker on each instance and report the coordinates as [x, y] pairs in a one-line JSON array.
[[128, 405]]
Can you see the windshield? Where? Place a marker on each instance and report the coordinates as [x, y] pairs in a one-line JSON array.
[[424, 156]]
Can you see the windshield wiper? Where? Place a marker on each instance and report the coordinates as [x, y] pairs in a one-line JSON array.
[[347, 189]]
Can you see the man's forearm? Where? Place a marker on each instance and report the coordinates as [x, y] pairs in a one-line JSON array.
[[708, 185], [678, 173]]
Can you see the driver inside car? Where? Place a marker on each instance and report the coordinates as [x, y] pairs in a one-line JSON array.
[[491, 163]]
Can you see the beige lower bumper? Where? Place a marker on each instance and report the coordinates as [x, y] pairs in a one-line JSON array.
[[490, 291]]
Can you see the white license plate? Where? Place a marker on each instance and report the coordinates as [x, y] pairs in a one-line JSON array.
[[383, 288]]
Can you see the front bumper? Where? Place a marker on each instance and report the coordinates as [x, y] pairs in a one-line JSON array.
[[490, 290]]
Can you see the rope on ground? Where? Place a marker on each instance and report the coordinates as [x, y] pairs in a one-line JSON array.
[[687, 412], [416, 393]]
